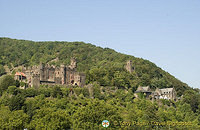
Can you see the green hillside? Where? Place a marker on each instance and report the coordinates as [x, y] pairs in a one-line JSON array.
[[109, 94], [103, 65]]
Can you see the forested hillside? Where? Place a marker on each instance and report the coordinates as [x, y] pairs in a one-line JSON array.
[[103, 65], [108, 95]]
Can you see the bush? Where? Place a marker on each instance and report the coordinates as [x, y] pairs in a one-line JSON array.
[[5, 82], [65, 91], [31, 92], [16, 102], [13, 90], [56, 92], [45, 91]]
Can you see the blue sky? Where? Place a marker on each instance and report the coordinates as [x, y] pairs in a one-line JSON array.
[[166, 32]]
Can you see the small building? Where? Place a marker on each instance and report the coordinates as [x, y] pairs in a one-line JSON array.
[[144, 90], [20, 76], [165, 93]]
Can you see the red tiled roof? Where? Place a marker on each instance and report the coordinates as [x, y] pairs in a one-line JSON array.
[[20, 73]]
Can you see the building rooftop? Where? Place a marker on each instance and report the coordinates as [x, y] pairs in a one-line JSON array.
[[143, 89], [20, 74]]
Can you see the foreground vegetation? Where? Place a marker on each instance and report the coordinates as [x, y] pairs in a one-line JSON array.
[[61, 107]]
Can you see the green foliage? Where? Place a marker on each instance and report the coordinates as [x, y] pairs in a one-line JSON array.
[[45, 91], [50, 118], [91, 116], [22, 84], [40, 111], [4, 100], [83, 91], [13, 90], [5, 82], [31, 92], [14, 120], [2, 70], [97, 91], [192, 98], [111, 96], [56, 92], [103, 65], [165, 102], [65, 91], [16, 102], [141, 95]]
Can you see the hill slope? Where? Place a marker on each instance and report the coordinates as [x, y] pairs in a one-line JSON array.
[[103, 65]]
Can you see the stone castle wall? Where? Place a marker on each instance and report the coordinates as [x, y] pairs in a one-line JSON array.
[[44, 73]]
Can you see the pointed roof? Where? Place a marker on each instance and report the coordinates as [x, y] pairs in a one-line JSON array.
[[143, 89], [20, 74]]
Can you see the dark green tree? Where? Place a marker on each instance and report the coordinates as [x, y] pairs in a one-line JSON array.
[[16, 102]]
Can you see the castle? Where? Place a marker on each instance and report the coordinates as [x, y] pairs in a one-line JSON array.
[[52, 75], [129, 67], [165, 93], [68, 75]]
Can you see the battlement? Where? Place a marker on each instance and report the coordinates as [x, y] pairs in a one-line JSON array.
[[129, 66], [35, 75], [45, 73]]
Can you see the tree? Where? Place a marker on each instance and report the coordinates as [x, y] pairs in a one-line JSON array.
[[56, 92], [91, 116], [51, 119], [31, 92], [16, 102], [2, 70], [193, 98], [12, 120], [6, 81], [13, 90]]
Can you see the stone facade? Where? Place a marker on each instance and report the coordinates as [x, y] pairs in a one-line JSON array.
[[46, 74], [129, 66], [165, 93]]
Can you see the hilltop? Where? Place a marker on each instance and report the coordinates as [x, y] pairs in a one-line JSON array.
[[102, 65], [109, 94]]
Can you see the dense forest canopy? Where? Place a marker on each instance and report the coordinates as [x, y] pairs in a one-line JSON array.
[[108, 95], [59, 107], [103, 65]]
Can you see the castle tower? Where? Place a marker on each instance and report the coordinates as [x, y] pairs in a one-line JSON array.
[[79, 79], [73, 63], [35, 80], [63, 74], [41, 71], [128, 66]]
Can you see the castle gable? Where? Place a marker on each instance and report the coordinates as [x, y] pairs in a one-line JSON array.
[[65, 75], [143, 89], [165, 93]]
